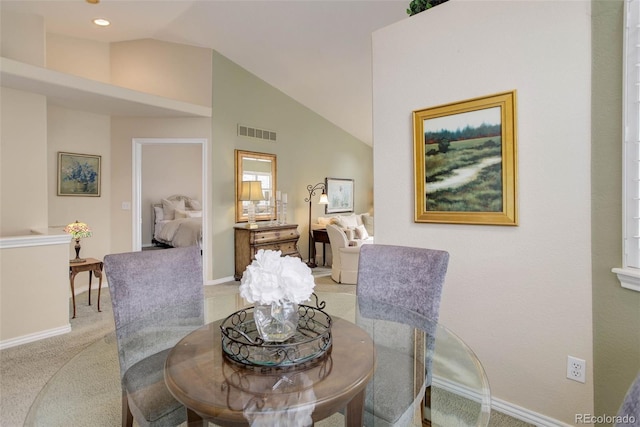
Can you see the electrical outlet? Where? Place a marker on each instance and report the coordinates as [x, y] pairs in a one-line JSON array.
[[576, 369]]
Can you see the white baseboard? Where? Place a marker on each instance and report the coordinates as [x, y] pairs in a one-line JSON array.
[[12, 342], [220, 281], [525, 415], [499, 405]]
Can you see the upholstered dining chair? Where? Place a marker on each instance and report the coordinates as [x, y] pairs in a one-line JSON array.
[[629, 413], [404, 276], [406, 280], [157, 298]]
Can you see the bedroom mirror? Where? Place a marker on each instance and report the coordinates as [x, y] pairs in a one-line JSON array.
[[252, 166]]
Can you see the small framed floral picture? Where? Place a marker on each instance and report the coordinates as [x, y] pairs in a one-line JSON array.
[[78, 174]]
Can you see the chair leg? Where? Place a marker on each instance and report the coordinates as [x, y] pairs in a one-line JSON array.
[[426, 408], [127, 416]]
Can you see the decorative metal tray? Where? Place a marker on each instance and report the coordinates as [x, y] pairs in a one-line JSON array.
[[242, 344]]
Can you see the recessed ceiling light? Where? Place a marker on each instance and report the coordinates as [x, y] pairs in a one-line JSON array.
[[101, 22]]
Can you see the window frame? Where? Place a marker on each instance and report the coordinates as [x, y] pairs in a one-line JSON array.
[[629, 274]]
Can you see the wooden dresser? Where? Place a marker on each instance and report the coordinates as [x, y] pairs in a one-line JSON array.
[[248, 241]]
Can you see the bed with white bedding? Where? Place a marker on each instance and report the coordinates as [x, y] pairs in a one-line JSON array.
[[177, 222]]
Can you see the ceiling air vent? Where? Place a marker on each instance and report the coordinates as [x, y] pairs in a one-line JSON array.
[[250, 132]]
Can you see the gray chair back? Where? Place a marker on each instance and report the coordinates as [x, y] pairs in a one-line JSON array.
[[629, 413], [403, 276], [157, 297], [398, 284]]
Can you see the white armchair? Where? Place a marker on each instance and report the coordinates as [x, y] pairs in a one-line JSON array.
[[344, 267]]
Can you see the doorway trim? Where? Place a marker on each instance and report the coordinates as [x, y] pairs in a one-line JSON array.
[[136, 190]]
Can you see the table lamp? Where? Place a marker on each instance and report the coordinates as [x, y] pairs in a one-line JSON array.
[[78, 230], [324, 200], [251, 192]]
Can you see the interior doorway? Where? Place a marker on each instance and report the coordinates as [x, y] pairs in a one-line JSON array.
[[137, 191]]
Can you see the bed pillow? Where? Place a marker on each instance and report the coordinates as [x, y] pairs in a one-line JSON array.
[[348, 221], [169, 208], [179, 214], [194, 214], [367, 220], [361, 232], [159, 213], [194, 205], [350, 233]]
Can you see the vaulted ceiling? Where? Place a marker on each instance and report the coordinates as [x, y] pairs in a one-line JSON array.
[[317, 52]]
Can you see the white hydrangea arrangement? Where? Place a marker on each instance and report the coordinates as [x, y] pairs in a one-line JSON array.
[[272, 278]]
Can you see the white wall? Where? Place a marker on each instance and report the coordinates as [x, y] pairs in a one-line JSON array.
[[520, 296]]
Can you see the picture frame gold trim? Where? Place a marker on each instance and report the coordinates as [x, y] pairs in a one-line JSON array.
[[442, 194], [79, 174]]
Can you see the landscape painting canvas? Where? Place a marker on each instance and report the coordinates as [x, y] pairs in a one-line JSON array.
[[465, 158]]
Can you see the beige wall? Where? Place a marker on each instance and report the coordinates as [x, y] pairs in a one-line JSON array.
[[23, 162], [309, 148], [172, 70], [22, 38], [34, 297], [79, 57], [123, 131], [520, 296], [84, 133], [616, 310], [168, 169], [240, 97], [34, 282]]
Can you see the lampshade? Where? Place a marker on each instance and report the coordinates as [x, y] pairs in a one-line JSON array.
[[78, 230], [251, 191], [324, 200]]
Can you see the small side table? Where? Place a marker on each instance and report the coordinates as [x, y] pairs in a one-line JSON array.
[[320, 235], [94, 267]]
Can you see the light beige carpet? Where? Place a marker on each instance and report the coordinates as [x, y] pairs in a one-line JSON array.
[[32, 391]]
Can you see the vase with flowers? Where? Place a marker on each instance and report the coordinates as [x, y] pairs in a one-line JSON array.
[[276, 285]]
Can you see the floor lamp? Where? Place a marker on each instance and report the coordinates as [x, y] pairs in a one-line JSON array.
[[251, 192], [323, 201]]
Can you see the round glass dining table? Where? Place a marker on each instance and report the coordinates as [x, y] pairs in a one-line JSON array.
[[418, 371]]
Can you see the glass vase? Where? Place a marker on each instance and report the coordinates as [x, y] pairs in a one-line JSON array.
[[276, 322]]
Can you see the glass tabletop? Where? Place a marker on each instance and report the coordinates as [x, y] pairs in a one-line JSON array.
[[435, 362]]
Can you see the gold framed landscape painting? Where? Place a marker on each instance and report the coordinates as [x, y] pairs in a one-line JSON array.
[[78, 174], [466, 161]]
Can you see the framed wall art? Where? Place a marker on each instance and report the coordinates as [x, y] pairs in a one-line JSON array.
[[340, 195], [465, 161], [78, 174]]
